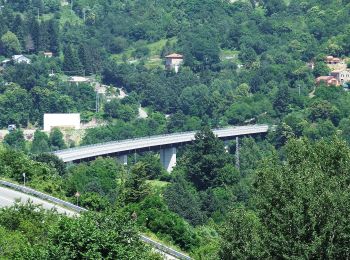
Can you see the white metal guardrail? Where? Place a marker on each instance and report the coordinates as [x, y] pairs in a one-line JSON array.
[[42, 195], [69, 205], [164, 248]]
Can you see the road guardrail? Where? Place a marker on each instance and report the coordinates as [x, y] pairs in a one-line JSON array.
[[164, 248], [42, 196]]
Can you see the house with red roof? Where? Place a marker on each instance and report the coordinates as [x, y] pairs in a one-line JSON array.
[[328, 80], [173, 61]]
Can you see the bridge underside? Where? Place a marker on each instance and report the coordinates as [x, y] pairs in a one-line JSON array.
[[165, 144], [167, 154]]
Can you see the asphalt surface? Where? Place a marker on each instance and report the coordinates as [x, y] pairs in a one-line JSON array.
[[125, 146], [8, 197]]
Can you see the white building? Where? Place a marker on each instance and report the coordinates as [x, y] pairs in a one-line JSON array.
[[78, 79], [342, 76], [61, 121], [21, 59], [173, 61]]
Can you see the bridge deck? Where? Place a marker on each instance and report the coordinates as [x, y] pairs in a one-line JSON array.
[[125, 146]]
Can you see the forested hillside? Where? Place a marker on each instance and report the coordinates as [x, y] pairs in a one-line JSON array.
[[244, 62]]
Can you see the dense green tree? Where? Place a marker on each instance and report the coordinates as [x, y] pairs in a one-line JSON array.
[[98, 177], [114, 232], [242, 226], [136, 188], [56, 139], [295, 204], [10, 44], [71, 63], [205, 159], [183, 199], [282, 100], [15, 106], [15, 139], [40, 143], [53, 32], [51, 160]]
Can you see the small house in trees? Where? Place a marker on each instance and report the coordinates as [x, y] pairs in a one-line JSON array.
[[342, 76], [173, 61], [20, 59], [328, 80], [332, 60], [48, 54]]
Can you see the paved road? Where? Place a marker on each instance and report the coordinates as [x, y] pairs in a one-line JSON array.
[[126, 146], [8, 198]]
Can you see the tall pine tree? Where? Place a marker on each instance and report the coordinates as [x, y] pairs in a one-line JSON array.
[[53, 31], [71, 63]]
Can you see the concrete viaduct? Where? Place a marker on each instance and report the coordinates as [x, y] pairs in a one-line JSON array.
[[166, 144]]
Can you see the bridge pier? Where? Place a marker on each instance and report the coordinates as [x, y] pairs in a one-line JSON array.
[[237, 152], [226, 146], [168, 158], [123, 159]]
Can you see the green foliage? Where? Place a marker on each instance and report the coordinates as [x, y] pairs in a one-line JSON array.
[[56, 139], [153, 166], [96, 181], [136, 188], [108, 235], [153, 214], [300, 205], [205, 159], [15, 139], [51, 160], [10, 44], [40, 143], [183, 199], [115, 109], [29, 232], [242, 226]]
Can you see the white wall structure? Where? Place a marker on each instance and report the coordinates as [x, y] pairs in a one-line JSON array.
[[61, 121]]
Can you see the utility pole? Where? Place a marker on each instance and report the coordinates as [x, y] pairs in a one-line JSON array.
[[84, 15], [97, 101], [237, 152], [71, 5], [38, 14], [24, 179]]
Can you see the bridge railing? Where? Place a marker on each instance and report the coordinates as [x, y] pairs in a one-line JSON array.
[[42, 196], [148, 137]]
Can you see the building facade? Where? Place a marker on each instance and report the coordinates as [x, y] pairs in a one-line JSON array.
[[173, 61], [342, 76]]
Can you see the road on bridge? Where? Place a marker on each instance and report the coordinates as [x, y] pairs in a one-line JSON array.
[[133, 145], [8, 198]]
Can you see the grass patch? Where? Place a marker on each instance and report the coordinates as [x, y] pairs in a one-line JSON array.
[[67, 16], [226, 54], [153, 60], [157, 184]]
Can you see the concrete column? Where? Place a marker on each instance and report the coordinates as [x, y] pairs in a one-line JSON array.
[[237, 152], [123, 159], [168, 158], [226, 146]]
